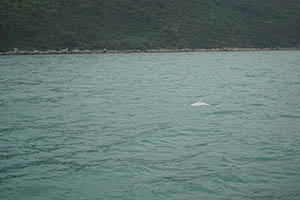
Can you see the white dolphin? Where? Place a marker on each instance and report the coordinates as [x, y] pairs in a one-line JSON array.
[[200, 103]]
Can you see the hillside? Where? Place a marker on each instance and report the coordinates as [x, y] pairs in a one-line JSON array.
[[148, 24]]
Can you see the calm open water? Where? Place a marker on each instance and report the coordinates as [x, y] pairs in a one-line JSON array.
[[121, 126]]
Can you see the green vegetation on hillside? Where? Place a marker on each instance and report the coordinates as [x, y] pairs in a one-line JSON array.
[[148, 24]]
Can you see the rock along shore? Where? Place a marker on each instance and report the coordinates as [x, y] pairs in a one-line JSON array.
[[77, 51]]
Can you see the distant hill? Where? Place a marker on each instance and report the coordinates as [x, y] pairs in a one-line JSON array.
[[148, 24]]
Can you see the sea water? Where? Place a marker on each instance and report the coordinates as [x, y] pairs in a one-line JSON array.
[[121, 126]]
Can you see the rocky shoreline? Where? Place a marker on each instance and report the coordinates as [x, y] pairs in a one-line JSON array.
[[77, 51]]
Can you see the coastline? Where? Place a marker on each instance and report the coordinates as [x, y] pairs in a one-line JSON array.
[[104, 51]]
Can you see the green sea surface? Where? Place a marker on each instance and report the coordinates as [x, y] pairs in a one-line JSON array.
[[121, 126]]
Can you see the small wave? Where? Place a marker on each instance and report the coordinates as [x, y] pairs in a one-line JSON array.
[[228, 112], [291, 116], [34, 82], [231, 178], [2, 102], [257, 105]]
